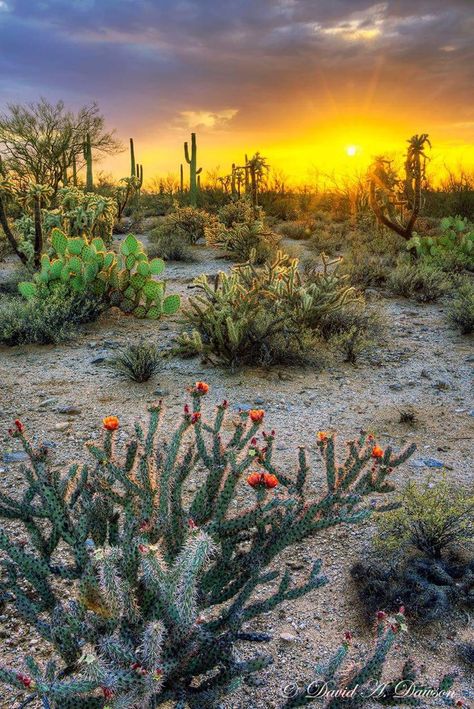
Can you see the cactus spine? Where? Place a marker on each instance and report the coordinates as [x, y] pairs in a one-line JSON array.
[[87, 151], [193, 171]]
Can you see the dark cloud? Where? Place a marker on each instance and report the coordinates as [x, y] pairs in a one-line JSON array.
[[272, 61]]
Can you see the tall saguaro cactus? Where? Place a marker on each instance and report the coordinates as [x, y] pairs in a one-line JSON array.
[[181, 178], [87, 150], [193, 171]]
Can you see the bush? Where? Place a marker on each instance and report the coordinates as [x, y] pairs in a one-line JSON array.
[[420, 281], [452, 250], [430, 518], [238, 212], [244, 241], [172, 246], [329, 237], [295, 230], [366, 269], [51, 317], [137, 362], [190, 223], [461, 307], [263, 316], [352, 330], [162, 581]]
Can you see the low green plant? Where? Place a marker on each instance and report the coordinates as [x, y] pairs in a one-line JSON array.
[[460, 309], [191, 223], [123, 279], [170, 246], [137, 362], [352, 330], [295, 230], [244, 241], [431, 516], [453, 249], [263, 316], [52, 316], [420, 281], [161, 580], [236, 212]]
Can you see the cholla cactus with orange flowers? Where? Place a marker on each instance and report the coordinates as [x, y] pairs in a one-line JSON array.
[[164, 575]]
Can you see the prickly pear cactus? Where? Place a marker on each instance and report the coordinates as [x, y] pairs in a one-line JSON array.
[[126, 279]]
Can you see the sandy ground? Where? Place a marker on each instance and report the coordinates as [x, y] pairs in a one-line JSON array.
[[423, 363]]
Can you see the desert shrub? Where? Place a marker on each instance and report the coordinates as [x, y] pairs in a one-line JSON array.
[[430, 517], [329, 237], [193, 224], [420, 281], [244, 241], [50, 317], [161, 581], [414, 560], [366, 269], [452, 250], [295, 230], [460, 309], [263, 316], [352, 330], [238, 212], [283, 207], [137, 362], [172, 246]]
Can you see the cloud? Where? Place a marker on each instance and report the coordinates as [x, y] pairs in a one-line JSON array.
[[208, 119]]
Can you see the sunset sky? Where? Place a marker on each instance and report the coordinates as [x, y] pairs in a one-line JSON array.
[[306, 82]]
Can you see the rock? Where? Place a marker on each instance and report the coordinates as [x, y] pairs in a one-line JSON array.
[[69, 410], [15, 457], [428, 463], [288, 637], [471, 412], [395, 387], [61, 426], [442, 385], [258, 401], [49, 444], [242, 407], [161, 392], [470, 358], [425, 374], [99, 359]]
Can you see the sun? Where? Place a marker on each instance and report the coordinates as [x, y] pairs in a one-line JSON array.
[[351, 150]]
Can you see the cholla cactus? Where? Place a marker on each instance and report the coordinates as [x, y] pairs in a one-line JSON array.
[[125, 279], [364, 682], [165, 578], [251, 312]]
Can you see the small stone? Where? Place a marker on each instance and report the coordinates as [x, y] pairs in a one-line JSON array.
[[258, 401], [395, 387], [242, 407], [427, 463], [442, 385], [15, 457], [61, 426], [49, 444], [161, 392], [288, 637], [46, 402], [99, 359], [69, 410], [425, 374]]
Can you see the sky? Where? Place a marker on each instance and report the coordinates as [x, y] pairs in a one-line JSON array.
[[317, 86]]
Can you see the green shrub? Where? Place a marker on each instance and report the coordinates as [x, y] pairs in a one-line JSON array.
[[420, 281], [460, 309], [238, 212], [295, 230], [329, 237], [244, 241], [352, 330], [51, 317], [137, 362], [366, 269], [263, 316], [172, 246], [430, 517], [145, 592], [194, 224]]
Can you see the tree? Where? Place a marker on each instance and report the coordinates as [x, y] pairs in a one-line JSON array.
[[43, 142]]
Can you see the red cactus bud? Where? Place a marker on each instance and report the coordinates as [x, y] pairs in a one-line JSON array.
[[19, 426], [107, 692], [142, 548], [348, 636], [402, 610], [192, 524], [253, 441], [395, 628], [24, 679], [225, 404], [135, 666], [195, 417], [381, 615], [145, 526], [186, 409]]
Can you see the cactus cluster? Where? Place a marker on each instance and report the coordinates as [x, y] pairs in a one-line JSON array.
[[165, 577], [256, 315], [126, 278]]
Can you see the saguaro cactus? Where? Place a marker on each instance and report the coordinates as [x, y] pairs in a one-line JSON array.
[[87, 150], [193, 171], [181, 178]]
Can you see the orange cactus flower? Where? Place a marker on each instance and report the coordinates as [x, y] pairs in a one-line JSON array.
[[19, 426], [195, 417], [256, 415], [201, 388], [262, 480], [322, 436], [377, 452], [111, 423]]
